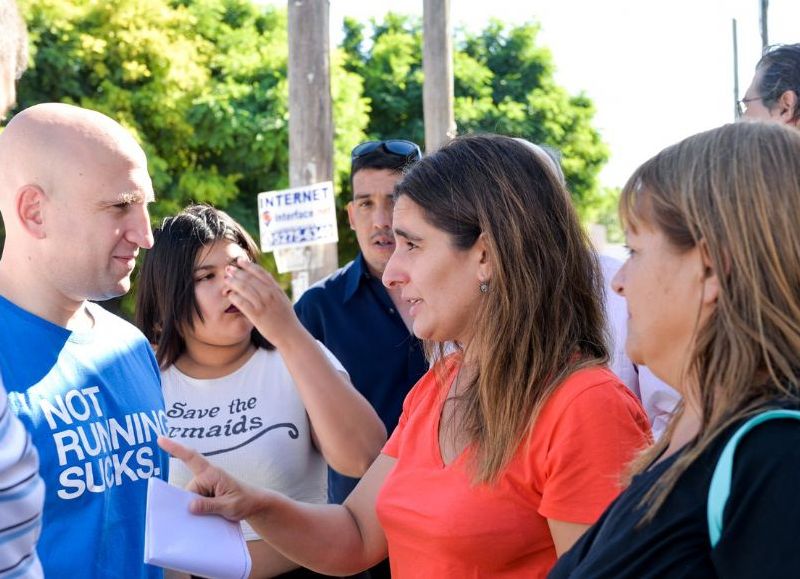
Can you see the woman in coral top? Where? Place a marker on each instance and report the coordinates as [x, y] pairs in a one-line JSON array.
[[509, 447]]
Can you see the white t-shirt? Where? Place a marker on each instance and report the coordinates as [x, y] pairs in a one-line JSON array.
[[252, 423]]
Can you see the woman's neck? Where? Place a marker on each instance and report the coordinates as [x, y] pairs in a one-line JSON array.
[[208, 361], [686, 429]]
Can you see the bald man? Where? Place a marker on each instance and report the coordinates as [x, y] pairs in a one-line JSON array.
[[74, 190]]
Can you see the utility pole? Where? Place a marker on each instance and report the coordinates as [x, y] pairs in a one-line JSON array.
[[735, 71], [310, 119], [437, 62], [764, 24]]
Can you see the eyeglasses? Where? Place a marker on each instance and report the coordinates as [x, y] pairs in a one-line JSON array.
[[398, 147], [742, 103]]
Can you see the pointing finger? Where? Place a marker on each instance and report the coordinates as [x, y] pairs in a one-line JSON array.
[[189, 457]]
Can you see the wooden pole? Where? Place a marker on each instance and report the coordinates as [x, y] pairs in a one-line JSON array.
[[310, 118], [735, 71], [437, 62], [764, 7]]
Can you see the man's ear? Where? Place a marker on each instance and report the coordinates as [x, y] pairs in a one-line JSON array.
[[350, 209], [30, 203], [788, 107]]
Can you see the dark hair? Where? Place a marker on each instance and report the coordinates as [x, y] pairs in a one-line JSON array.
[[780, 71], [379, 159], [542, 317], [165, 301]]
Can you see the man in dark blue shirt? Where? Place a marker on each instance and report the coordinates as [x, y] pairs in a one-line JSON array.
[[363, 323]]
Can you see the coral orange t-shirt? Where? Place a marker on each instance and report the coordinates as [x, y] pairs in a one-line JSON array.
[[438, 524]]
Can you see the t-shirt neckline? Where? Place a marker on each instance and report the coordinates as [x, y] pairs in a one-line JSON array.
[[205, 381]]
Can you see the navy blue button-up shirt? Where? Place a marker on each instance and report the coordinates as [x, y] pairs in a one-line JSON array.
[[352, 314]]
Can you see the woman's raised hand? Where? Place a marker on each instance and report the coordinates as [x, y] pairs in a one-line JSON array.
[[259, 297]]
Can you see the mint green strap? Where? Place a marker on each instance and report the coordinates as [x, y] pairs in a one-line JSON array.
[[720, 486]]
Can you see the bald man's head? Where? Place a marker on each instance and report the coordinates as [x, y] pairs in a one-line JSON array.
[[74, 190], [63, 142]]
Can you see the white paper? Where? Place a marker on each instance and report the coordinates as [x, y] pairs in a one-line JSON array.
[[205, 545]]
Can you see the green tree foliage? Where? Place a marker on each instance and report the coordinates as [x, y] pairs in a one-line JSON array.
[[203, 86], [503, 84], [201, 83], [390, 64], [602, 209]]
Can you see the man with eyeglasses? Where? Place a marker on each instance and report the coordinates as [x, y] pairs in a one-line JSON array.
[[774, 93], [364, 324]]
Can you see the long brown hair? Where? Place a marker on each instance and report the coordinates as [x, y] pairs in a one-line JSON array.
[[542, 317], [736, 189]]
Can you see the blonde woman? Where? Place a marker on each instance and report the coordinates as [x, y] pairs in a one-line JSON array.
[[507, 449], [713, 292]]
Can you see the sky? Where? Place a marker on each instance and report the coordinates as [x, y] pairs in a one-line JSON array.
[[656, 70]]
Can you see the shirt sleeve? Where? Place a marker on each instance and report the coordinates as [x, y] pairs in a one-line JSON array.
[[761, 520], [308, 315], [594, 437], [21, 494], [333, 359]]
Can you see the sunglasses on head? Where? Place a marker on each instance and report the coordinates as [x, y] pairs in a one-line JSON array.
[[399, 147]]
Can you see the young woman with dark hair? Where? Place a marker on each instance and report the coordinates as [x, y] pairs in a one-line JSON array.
[[510, 446], [244, 383]]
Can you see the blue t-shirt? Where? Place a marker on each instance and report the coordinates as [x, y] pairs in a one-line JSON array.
[[352, 314], [92, 401]]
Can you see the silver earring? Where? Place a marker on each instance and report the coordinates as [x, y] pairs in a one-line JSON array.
[[484, 287]]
